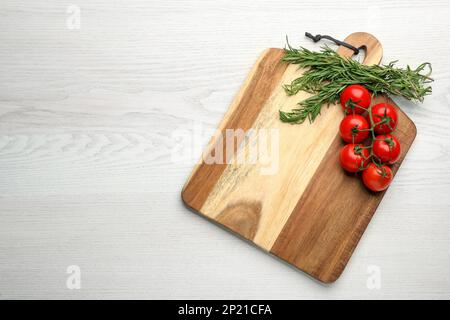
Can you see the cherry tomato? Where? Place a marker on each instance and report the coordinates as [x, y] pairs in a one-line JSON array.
[[377, 178], [384, 117], [350, 128], [354, 157], [386, 148], [355, 95]]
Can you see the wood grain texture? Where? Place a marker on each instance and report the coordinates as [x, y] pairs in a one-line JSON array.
[[333, 212], [295, 212], [245, 181], [242, 113], [87, 177]]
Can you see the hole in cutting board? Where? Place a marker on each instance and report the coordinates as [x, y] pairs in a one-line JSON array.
[[360, 56]]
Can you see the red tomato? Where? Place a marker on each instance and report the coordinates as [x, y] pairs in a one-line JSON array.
[[384, 117], [350, 128], [386, 148], [356, 95], [377, 178], [354, 157]]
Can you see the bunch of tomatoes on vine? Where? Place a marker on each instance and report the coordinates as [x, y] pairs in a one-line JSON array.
[[370, 148]]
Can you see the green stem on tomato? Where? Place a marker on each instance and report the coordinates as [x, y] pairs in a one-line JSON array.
[[372, 156]]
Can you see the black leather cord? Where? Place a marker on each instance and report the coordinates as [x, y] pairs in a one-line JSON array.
[[318, 37]]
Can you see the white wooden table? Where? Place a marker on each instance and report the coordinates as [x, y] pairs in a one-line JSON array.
[[88, 112]]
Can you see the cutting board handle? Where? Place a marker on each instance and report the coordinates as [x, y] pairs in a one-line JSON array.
[[365, 41]]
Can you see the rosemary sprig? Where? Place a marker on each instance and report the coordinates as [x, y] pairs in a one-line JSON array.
[[327, 74]]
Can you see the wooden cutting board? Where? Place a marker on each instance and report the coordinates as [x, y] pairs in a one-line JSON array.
[[308, 212]]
